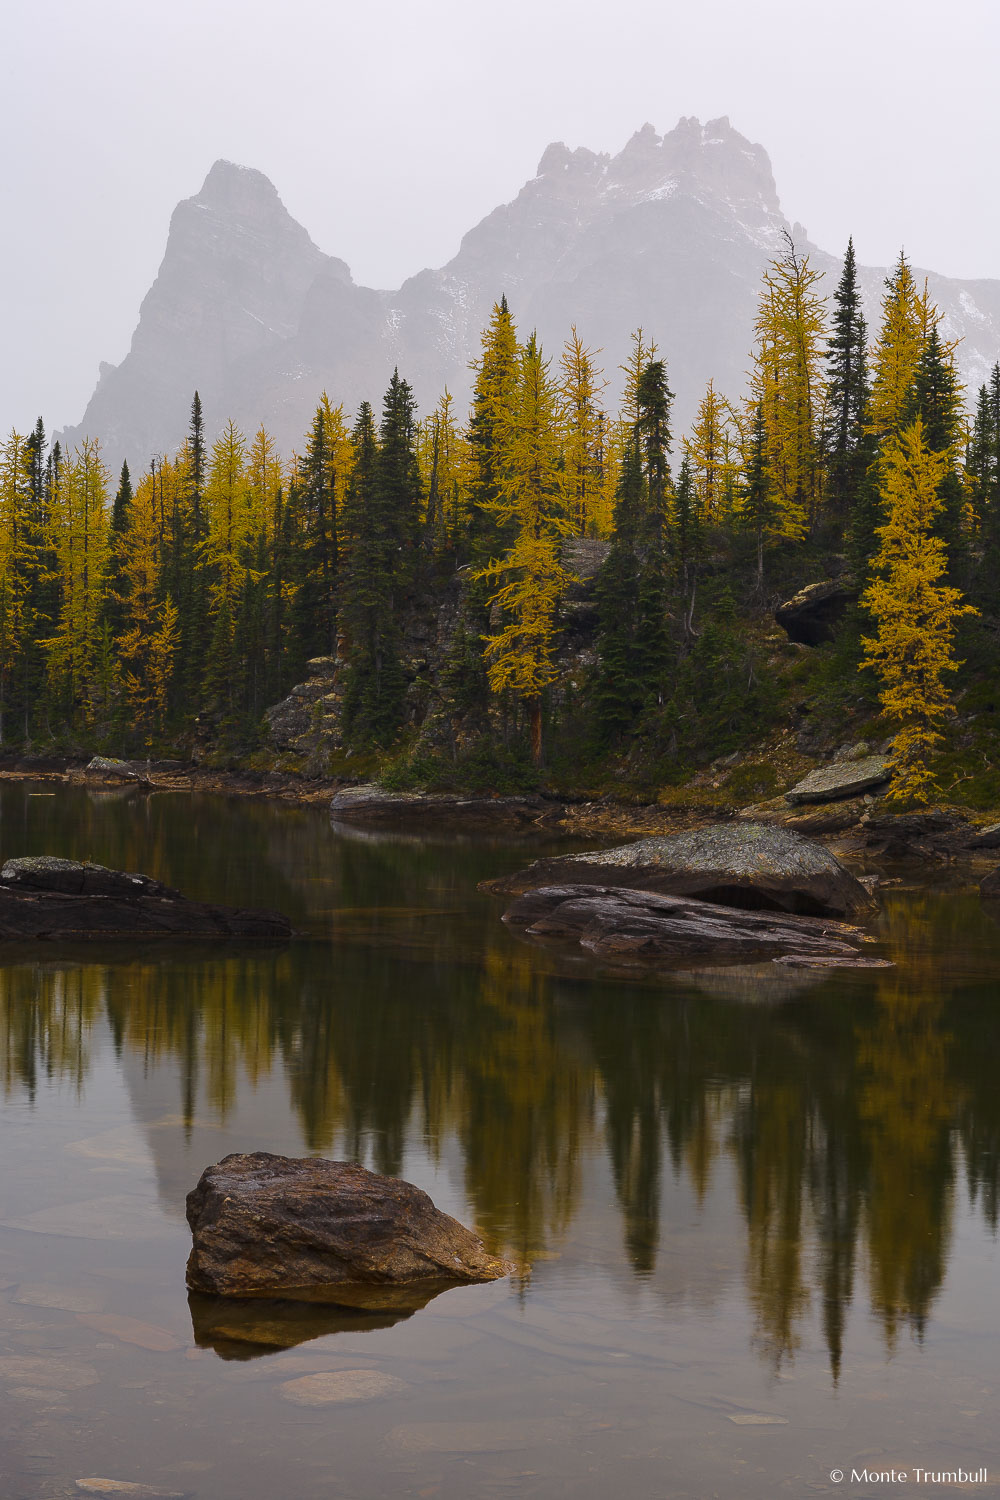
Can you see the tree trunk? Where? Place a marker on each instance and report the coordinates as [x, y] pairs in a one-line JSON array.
[[535, 721]]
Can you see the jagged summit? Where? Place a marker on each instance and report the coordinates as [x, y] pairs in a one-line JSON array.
[[671, 232]]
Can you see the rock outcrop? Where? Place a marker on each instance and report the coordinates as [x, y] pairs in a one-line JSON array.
[[842, 778], [268, 1225], [754, 866], [67, 900], [811, 616], [642, 927]]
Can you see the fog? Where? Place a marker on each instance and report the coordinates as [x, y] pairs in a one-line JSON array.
[[389, 134]]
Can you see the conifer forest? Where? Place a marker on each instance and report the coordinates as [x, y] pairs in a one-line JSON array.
[[597, 588]]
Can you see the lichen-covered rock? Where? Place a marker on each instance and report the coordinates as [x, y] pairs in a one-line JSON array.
[[842, 778], [106, 768], [270, 1225], [754, 866]]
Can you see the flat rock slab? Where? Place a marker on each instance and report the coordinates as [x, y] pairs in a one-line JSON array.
[[644, 926], [99, 1486], [269, 1225], [64, 1298], [842, 778], [65, 899], [330, 1388], [432, 810], [113, 1216], [475, 1437], [752, 866], [821, 961], [52, 1373], [131, 1331]]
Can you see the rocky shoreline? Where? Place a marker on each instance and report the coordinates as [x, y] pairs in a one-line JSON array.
[[857, 827]]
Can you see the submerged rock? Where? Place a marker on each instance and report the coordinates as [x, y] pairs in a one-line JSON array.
[[641, 926], [270, 1225], [842, 778], [753, 866], [66, 899]]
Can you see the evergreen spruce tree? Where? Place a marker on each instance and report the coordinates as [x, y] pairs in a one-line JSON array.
[[846, 445], [936, 398], [618, 688], [116, 585], [373, 698]]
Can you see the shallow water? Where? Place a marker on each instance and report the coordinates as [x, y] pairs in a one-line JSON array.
[[755, 1212]]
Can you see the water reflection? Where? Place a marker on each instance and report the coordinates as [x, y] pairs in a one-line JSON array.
[[839, 1115]]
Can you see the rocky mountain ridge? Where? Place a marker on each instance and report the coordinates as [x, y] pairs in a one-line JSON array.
[[671, 233]]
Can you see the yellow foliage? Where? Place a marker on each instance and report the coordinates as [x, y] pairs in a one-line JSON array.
[[788, 383], [915, 613], [445, 469], [584, 436], [81, 542], [906, 321], [711, 452], [532, 497], [148, 641]]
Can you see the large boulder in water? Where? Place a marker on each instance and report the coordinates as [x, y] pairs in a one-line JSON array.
[[67, 899], [266, 1225], [755, 866], [646, 927]]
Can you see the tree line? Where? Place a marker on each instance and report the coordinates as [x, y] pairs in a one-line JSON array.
[[199, 590]]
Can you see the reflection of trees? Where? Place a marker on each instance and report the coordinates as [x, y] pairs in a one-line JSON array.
[[840, 1111], [46, 1017]]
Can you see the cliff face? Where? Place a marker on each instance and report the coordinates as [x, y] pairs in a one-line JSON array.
[[672, 234]]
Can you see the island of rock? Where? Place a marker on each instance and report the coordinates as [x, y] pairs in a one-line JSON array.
[[67, 900]]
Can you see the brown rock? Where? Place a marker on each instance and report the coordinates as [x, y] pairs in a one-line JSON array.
[[270, 1225]]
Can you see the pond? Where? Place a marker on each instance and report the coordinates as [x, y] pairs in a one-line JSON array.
[[754, 1212]]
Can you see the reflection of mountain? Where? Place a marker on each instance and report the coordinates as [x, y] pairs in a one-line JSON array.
[[668, 1137]]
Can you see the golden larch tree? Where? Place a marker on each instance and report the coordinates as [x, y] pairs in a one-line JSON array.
[[147, 643], [532, 501], [914, 612], [906, 321], [18, 553], [80, 539], [584, 434], [711, 451], [787, 383]]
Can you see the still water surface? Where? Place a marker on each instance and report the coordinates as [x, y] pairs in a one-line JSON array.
[[756, 1214]]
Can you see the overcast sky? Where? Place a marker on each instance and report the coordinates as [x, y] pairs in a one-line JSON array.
[[390, 129]]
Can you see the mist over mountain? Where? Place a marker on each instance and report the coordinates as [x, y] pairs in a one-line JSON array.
[[672, 234]]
